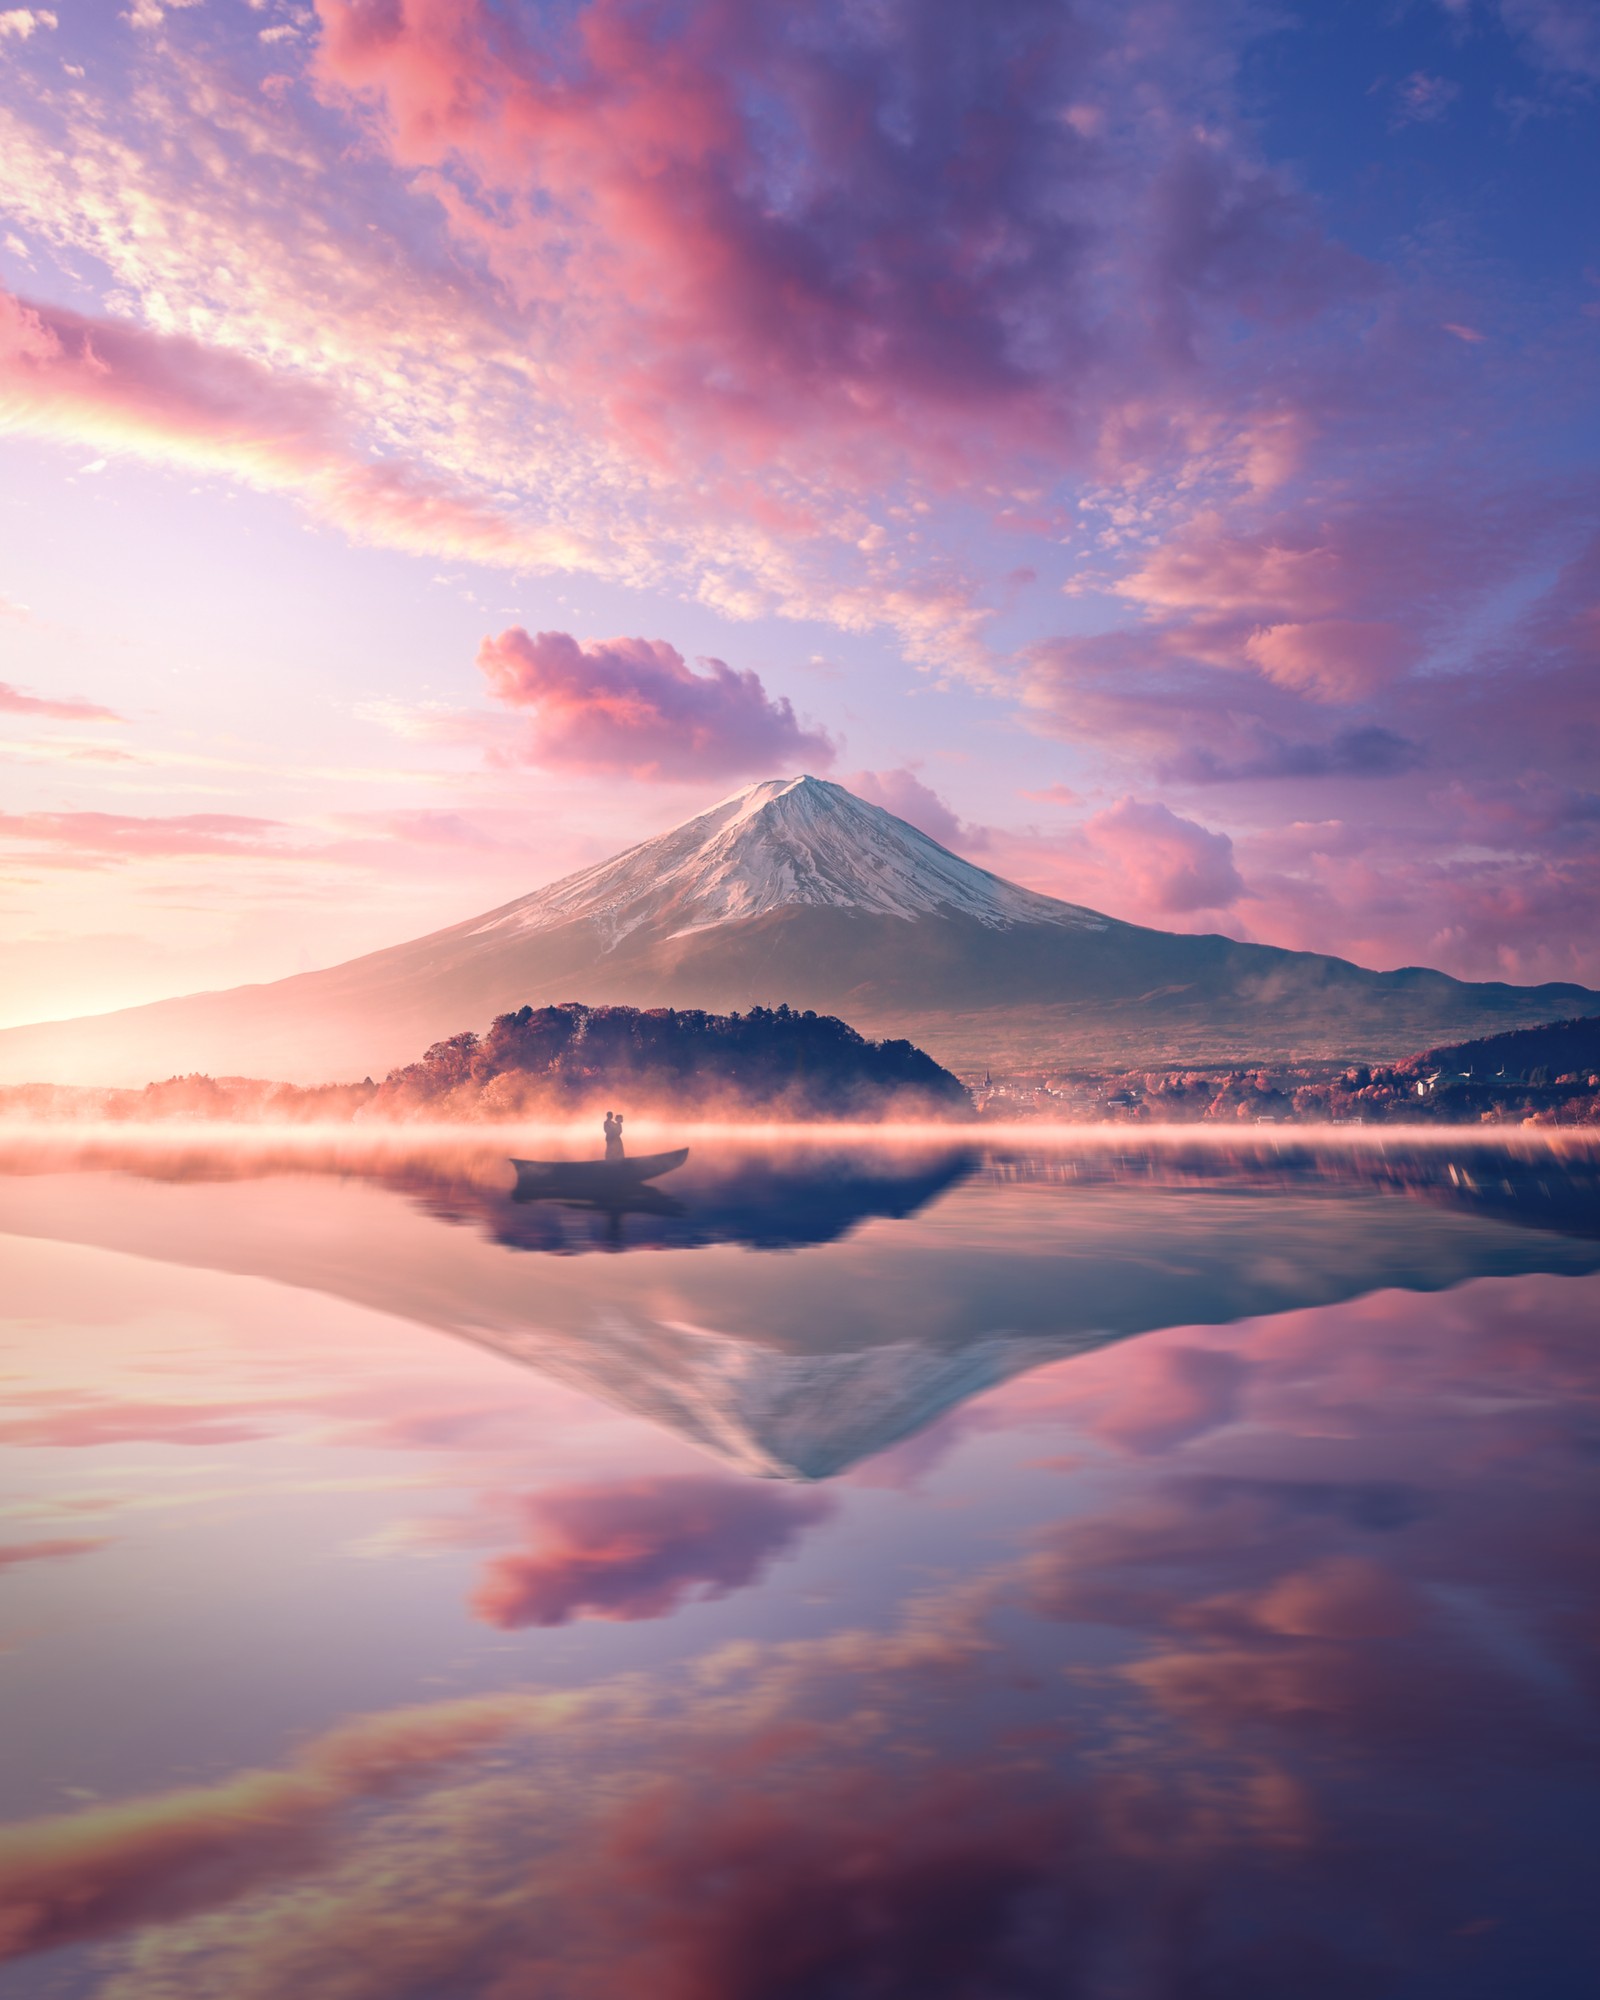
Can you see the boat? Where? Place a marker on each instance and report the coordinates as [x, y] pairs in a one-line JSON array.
[[588, 1180]]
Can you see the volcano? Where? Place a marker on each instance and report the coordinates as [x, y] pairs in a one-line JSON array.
[[796, 890]]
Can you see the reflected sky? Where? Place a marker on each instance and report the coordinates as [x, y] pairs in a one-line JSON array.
[[1019, 1572]]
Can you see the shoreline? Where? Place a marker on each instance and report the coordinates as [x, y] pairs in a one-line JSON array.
[[406, 1136]]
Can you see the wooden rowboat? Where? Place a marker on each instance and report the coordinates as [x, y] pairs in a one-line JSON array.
[[587, 1179]]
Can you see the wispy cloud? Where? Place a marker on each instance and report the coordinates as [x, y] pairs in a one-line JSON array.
[[100, 837], [172, 399], [68, 708], [52, 1549]]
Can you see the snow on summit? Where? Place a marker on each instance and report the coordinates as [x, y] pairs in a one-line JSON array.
[[781, 842]]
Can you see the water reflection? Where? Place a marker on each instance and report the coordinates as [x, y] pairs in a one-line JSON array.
[[767, 1199], [927, 1274], [1252, 1656], [1538, 1186]]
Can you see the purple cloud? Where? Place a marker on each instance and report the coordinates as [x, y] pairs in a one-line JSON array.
[[636, 706]]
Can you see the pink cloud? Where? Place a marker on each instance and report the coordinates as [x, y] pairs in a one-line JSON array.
[[85, 1876], [1254, 624], [1337, 601], [1168, 1394], [640, 1548], [94, 838], [64, 374], [88, 1421], [709, 290], [1339, 1597], [1210, 566], [14, 1554], [791, 241], [1335, 659], [1172, 864], [1337, 604], [21, 23], [110, 1868], [416, 843], [904, 794], [431, 827], [68, 708], [636, 706]]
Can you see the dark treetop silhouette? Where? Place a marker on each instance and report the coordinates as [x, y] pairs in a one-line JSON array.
[[775, 1060]]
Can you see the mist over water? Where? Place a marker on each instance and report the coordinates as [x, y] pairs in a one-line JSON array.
[[934, 1562]]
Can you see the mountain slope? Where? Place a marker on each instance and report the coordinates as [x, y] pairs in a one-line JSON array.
[[796, 890], [783, 844]]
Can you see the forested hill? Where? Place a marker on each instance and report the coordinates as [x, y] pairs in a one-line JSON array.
[[772, 1060], [1561, 1048]]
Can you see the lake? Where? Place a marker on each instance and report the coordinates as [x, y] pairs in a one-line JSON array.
[[1105, 1565]]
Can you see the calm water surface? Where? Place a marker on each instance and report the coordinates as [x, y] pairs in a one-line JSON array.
[[856, 1574]]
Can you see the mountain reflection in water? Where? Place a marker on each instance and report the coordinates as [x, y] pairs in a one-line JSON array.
[[917, 1276], [1170, 1574]]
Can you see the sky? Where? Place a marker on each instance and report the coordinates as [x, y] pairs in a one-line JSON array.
[[1152, 447]]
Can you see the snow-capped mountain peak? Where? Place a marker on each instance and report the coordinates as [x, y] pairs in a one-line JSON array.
[[782, 842]]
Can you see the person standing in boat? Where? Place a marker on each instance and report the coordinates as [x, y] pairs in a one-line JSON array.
[[613, 1131]]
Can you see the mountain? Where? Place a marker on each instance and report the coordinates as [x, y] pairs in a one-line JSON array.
[[795, 890]]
